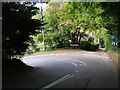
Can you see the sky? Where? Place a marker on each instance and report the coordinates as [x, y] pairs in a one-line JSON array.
[[44, 5]]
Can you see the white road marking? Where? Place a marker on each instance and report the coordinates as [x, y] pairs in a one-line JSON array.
[[58, 81], [72, 63], [82, 63], [76, 71], [77, 60]]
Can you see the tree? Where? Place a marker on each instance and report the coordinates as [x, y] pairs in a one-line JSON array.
[[71, 21], [17, 27], [53, 34], [74, 20], [111, 17], [84, 18]]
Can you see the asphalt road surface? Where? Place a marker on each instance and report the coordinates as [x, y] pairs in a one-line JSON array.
[[67, 70]]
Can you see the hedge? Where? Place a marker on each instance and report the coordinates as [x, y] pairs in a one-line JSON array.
[[86, 45]]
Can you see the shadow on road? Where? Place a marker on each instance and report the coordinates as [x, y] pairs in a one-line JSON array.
[[100, 50]]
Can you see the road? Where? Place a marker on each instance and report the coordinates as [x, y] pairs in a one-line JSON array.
[[67, 70]]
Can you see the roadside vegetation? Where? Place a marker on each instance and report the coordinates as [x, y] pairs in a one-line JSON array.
[[77, 25], [17, 26], [87, 24]]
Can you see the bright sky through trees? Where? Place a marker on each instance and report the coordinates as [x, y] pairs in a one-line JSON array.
[[44, 5]]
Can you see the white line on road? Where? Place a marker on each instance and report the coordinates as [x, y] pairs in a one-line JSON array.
[[82, 62], [58, 81], [72, 63], [76, 71], [76, 60]]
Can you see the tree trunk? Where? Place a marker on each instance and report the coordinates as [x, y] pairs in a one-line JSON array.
[[78, 35], [79, 40]]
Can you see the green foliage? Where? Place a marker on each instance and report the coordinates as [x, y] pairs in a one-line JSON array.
[[94, 47], [111, 17], [75, 20], [71, 21], [107, 42], [17, 27], [50, 49], [86, 45], [64, 21]]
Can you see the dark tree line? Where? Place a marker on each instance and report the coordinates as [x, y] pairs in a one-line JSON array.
[[17, 26]]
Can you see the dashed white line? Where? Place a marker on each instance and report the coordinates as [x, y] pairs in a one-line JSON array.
[[58, 81]]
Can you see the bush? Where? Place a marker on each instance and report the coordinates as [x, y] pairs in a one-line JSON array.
[[49, 49], [114, 49], [94, 47], [86, 45]]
